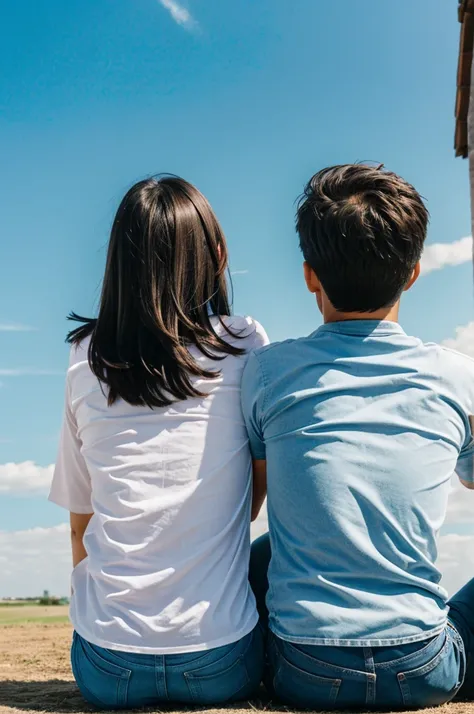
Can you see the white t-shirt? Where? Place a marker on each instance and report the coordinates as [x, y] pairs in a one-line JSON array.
[[170, 489]]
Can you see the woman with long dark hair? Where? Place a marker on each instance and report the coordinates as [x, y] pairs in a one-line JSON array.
[[155, 469]]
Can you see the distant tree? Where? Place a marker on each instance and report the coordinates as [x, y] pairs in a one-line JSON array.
[[47, 599]]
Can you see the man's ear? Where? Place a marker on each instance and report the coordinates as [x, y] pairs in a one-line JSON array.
[[313, 284], [312, 280], [414, 277]]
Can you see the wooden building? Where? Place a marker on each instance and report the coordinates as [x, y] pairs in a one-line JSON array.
[[463, 94]]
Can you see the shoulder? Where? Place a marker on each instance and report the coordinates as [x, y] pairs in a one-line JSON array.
[[449, 358], [244, 328], [455, 371], [270, 361], [276, 352], [459, 358]]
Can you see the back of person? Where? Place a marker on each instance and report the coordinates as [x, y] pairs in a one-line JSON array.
[[363, 426], [360, 428], [154, 465], [170, 488]]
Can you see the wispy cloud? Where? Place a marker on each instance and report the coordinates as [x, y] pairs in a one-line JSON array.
[[29, 372], [442, 255], [179, 13], [16, 327], [240, 272]]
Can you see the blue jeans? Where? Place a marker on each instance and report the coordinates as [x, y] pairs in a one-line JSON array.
[[415, 675], [121, 680]]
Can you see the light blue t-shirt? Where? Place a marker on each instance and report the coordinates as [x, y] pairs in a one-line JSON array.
[[362, 428]]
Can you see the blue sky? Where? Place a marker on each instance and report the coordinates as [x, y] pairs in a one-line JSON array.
[[245, 99]]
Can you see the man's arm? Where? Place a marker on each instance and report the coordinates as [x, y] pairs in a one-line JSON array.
[[252, 397], [79, 523], [259, 486]]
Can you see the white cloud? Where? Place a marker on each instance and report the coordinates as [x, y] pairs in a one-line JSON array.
[[463, 341], [179, 13], [35, 560], [440, 255], [24, 479], [15, 327], [239, 272]]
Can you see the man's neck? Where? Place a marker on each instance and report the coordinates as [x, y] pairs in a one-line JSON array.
[[389, 314]]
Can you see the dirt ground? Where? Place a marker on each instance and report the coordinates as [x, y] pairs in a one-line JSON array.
[[35, 675]]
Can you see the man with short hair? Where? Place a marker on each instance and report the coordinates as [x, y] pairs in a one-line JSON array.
[[358, 429]]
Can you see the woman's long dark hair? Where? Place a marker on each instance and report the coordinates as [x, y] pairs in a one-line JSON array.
[[164, 278]]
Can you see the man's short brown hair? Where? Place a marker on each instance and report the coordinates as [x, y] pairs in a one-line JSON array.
[[362, 231]]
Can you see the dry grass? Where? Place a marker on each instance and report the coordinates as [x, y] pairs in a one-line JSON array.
[[35, 675]]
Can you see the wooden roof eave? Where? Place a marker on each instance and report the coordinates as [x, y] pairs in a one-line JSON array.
[[466, 44]]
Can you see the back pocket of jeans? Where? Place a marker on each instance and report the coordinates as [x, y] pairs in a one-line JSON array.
[[303, 689], [208, 685], [436, 682], [102, 683]]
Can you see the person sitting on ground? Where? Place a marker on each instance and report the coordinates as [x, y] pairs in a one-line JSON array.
[[360, 427], [155, 468]]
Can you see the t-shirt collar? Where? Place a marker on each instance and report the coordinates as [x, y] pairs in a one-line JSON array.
[[363, 328]]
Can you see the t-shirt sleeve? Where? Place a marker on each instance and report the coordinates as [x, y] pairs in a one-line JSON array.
[[253, 393], [465, 463], [71, 487]]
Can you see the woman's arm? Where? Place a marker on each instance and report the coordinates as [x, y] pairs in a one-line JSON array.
[[259, 486], [79, 523]]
